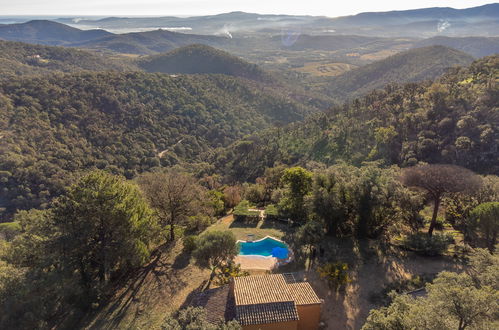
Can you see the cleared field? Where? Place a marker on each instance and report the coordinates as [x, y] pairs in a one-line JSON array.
[[325, 69]]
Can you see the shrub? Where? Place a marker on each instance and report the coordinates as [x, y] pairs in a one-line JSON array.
[[9, 230], [198, 223], [271, 212], [431, 246], [190, 243], [226, 273], [336, 274], [439, 225]]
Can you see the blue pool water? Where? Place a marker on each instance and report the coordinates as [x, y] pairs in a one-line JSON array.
[[264, 247]]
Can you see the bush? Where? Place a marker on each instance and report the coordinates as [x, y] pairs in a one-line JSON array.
[[190, 243], [383, 297], [198, 223], [226, 273], [336, 274], [423, 244], [9, 230], [440, 223]]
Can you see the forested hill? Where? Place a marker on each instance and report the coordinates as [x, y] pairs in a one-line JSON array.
[[48, 33], [17, 58], [51, 127], [201, 59], [411, 66], [452, 120]]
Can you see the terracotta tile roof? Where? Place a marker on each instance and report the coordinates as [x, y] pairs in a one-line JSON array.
[[270, 298], [266, 313], [261, 289], [303, 294], [219, 304]]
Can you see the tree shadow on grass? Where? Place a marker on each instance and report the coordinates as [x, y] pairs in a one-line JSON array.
[[115, 308], [241, 223], [182, 260]]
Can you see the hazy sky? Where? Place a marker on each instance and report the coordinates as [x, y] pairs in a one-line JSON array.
[[330, 8]]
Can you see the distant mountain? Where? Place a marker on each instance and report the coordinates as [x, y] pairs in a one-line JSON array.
[[48, 33], [476, 46], [17, 58], [490, 11], [411, 66], [150, 42], [426, 22], [201, 59]]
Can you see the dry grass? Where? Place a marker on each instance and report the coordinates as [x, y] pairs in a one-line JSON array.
[[169, 281], [242, 229], [145, 299], [369, 274], [325, 69]]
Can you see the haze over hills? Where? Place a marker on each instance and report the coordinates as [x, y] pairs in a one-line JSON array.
[[411, 66], [477, 21], [476, 46], [150, 42]]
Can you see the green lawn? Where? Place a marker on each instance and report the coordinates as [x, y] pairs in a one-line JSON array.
[[242, 229]]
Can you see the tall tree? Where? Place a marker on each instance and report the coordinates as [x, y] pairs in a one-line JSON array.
[[105, 226], [486, 219], [215, 249], [299, 182], [438, 180], [173, 195]]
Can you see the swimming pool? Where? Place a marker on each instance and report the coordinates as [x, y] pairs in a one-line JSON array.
[[267, 247]]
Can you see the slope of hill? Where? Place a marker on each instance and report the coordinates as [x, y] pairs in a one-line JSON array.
[[18, 58], [150, 42], [201, 59], [411, 66], [48, 33], [476, 46], [53, 126], [453, 120]]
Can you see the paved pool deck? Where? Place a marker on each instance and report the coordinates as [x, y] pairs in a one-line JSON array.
[[252, 262]]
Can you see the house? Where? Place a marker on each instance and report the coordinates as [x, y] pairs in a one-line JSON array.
[[264, 302], [275, 301]]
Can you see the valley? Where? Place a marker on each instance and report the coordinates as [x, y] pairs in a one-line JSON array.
[[138, 154]]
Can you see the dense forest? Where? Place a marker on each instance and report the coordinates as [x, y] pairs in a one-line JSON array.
[[125, 122], [414, 65], [452, 120], [18, 59], [201, 59]]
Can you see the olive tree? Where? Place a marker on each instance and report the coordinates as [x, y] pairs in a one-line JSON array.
[[215, 249]]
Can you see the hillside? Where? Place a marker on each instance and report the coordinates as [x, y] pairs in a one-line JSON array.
[[452, 120], [48, 33], [53, 127], [201, 59], [411, 66], [151, 42], [475, 46], [18, 58]]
